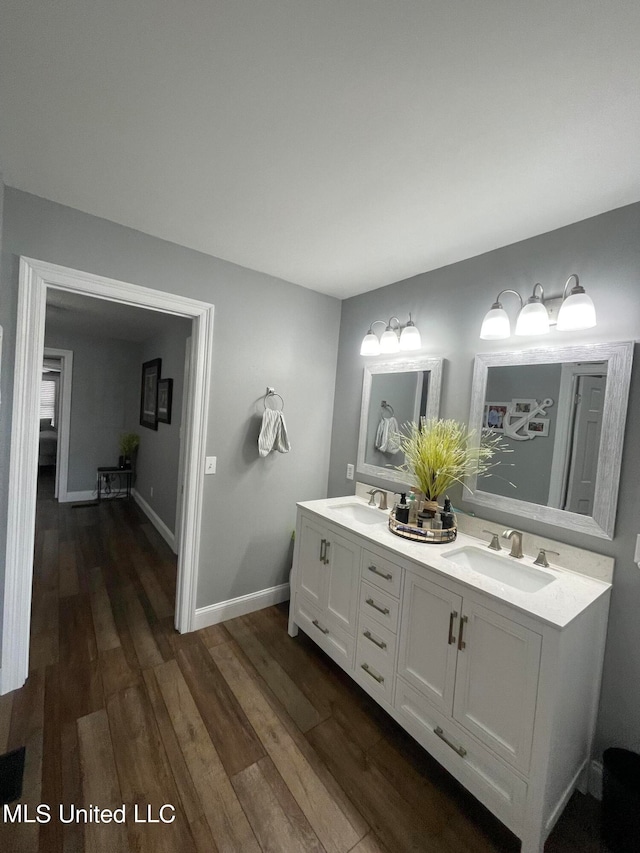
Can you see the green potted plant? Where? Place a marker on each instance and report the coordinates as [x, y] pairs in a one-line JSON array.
[[129, 442], [439, 453]]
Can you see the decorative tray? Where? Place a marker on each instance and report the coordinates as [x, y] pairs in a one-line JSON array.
[[420, 534]]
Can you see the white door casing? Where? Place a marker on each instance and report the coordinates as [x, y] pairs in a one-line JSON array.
[[34, 278]]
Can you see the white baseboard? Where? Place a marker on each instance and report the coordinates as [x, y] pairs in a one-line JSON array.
[[155, 519], [78, 497], [595, 779], [214, 613]]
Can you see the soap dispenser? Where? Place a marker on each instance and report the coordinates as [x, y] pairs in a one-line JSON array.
[[402, 509], [446, 515]]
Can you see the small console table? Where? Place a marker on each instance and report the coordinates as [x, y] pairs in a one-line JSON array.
[[106, 482]]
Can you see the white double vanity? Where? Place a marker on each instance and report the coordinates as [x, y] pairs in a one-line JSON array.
[[491, 663]]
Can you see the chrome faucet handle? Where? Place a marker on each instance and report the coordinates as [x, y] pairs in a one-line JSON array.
[[495, 540], [372, 499], [541, 559]]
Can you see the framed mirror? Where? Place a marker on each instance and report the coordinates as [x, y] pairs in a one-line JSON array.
[[393, 393], [562, 413]]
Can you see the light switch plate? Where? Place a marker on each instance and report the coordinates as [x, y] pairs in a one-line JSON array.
[[350, 472], [210, 465]]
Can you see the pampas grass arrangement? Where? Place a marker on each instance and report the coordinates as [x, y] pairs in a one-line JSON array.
[[439, 453]]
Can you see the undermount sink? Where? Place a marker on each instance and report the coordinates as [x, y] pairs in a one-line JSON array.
[[359, 512], [506, 570]]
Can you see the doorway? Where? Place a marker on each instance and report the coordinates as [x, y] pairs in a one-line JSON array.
[[36, 278]]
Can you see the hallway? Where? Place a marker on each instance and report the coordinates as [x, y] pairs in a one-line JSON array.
[[257, 741]]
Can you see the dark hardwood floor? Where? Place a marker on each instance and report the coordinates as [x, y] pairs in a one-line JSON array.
[[258, 741]]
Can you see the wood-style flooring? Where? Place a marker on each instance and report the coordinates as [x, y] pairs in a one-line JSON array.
[[259, 742]]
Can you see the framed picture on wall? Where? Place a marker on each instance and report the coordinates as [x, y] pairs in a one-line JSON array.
[[165, 393], [149, 393]]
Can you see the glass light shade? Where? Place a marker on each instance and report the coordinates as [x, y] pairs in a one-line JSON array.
[[389, 341], [410, 338], [576, 312], [370, 344], [533, 319], [495, 326]]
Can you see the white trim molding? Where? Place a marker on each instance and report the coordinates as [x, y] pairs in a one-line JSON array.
[[35, 278], [79, 497], [155, 519], [240, 606]]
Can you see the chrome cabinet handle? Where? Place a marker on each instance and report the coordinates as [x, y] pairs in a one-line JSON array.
[[383, 610], [326, 552], [461, 643], [452, 618], [319, 627], [459, 749], [376, 571], [379, 643], [374, 675], [323, 545]]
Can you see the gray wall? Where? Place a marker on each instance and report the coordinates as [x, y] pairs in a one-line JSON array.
[[104, 393], [448, 306], [289, 341], [159, 451]]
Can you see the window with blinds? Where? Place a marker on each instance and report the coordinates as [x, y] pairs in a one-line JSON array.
[[48, 400]]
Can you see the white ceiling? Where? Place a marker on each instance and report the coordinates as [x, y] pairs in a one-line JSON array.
[[339, 144]]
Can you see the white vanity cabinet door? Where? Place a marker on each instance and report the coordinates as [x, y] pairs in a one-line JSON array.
[[428, 639], [311, 569], [343, 564], [497, 682], [328, 573]]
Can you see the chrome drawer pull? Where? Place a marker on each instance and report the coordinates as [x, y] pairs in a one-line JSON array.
[[326, 553], [379, 643], [319, 627], [452, 618], [461, 643], [459, 749], [323, 545], [383, 610], [385, 575], [374, 675]]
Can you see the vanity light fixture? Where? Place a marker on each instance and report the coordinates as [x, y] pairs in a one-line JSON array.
[[574, 312], [533, 318], [577, 310], [393, 339], [496, 325]]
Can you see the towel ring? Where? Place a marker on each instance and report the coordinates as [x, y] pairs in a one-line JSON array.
[[386, 405], [271, 393]]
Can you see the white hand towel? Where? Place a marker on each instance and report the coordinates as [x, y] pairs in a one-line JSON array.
[[387, 440], [273, 434]]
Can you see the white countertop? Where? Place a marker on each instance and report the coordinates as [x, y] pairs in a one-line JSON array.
[[557, 604]]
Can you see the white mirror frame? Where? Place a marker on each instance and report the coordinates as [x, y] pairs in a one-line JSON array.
[[417, 365], [619, 357]]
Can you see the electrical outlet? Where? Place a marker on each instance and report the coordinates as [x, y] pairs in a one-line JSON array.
[[210, 465], [350, 472]]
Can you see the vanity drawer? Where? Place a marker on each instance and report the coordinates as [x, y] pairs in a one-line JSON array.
[[485, 776], [380, 606], [381, 572], [339, 645], [375, 660]]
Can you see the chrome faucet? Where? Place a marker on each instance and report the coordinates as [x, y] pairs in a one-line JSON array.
[[383, 498], [516, 542]]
